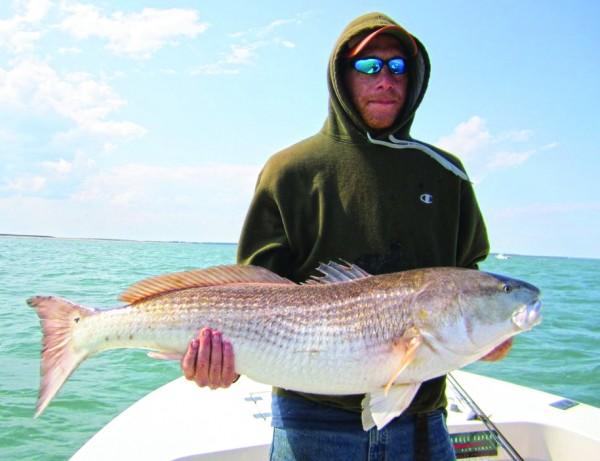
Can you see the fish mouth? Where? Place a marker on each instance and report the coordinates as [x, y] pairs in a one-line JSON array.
[[528, 315]]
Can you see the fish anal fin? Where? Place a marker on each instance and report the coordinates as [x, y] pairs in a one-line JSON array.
[[165, 355], [380, 407], [407, 348], [212, 276]]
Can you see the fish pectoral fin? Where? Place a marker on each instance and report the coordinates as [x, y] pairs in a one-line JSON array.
[[381, 406], [408, 349], [165, 355]]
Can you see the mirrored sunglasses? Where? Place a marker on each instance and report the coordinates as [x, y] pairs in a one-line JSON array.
[[373, 65]]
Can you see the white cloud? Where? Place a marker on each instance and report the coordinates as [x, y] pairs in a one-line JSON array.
[[242, 54], [108, 147], [26, 184], [483, 151], [231, 61], [19, 41], [467, 138], [515, 136], [8, 136], [509, 159], [268, 30], [549, 146], [287, 44], [137, 201], [275, 24], [148, 186], [61, 166], [217, 68], [35, 86], [245, 51], [137, 35], [57, 177], [69, 50], [21, 32], [34, 10]]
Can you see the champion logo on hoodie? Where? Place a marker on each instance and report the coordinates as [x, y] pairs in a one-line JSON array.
[[427, 199]]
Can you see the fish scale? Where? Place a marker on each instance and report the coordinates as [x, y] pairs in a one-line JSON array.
[[344, 333]]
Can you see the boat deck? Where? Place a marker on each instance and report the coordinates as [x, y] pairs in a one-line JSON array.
[[180, 421]]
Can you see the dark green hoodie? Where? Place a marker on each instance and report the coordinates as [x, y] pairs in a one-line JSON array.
[[381, 200]]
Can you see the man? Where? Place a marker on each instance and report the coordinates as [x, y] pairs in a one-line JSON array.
[[364, 191]]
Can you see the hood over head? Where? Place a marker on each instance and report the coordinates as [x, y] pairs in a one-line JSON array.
[[343, 120]]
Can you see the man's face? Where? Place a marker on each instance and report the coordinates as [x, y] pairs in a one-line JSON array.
[[379, 98]]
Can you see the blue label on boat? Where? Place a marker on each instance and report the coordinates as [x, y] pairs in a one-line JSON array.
[[564, 404], [474, 444]]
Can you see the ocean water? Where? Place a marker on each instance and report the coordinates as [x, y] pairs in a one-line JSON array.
[[560, 356]]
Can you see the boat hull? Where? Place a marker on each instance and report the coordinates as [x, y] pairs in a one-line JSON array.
[[180, 421]]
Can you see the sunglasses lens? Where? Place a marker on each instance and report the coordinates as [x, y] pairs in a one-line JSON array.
[[397, 66], [368, 65]]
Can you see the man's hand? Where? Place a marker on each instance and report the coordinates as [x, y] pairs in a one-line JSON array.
[[209, 361], [499, 352]]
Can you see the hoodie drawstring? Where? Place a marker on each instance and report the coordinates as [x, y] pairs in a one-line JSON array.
[[396, 143]]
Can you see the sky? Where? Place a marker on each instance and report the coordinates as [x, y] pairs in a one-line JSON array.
[[150, 120]]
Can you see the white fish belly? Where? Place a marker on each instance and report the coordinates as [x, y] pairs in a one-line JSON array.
[[338, 371]]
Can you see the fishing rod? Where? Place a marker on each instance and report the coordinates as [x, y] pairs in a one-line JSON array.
[[495, 432]]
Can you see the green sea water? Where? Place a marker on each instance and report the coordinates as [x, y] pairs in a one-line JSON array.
[[560, 356]]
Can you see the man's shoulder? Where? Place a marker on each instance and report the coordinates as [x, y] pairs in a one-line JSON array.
[[304, 156]]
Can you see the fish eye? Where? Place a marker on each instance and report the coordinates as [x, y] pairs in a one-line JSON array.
[[506, 288]]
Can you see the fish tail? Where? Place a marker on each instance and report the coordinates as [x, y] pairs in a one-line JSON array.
[[59, 318]]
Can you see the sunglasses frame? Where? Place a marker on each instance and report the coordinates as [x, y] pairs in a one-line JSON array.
[[382, 62]]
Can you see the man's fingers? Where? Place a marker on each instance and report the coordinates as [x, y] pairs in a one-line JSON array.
[[216, 361], [209, 360], [188, 362], [203, 357], [228, 374]]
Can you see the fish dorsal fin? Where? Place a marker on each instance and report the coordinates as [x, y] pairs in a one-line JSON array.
[[334, 272], [212, 276]]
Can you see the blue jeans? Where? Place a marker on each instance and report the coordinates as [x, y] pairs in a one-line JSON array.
[[328, 439]]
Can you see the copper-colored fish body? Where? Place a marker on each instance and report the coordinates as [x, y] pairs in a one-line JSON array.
[[344, 333]]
